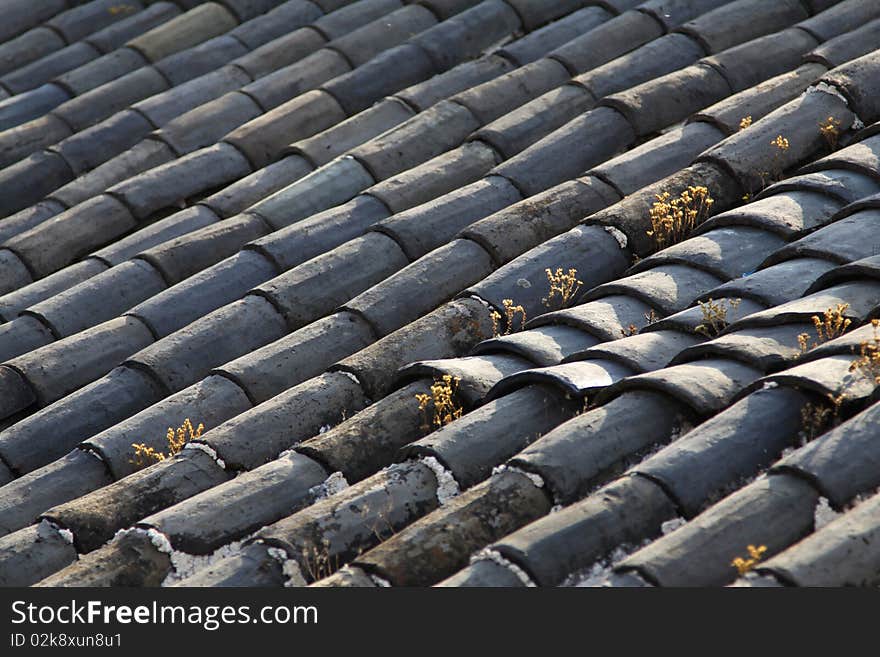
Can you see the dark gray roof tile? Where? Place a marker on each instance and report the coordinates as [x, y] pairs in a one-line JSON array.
[[758, 101], [142, 156], [184, 357], [423, 95], [664, 101], [843, 462], [252, 566], [261, 184], [694, 319], [338, 182], [715, 457], [305, 353], [208, 123], [247, 9], [207, 521], [657, 158], [156, 233], [418, 288], [543, 346], [276, 22], [30, 46], [764, 348], [321, 232], [437, 177], [469, 33], [608, 318], [777, 284], [537, 43], [854, 81], [23, 15], [179, 258], [579, 379], [360, 445], [670, 288], [32, 293], [113, 398], [97, 104], [451, 330], [355, 519], [596, 255], [424, 136], [487, 437], [862, 157], [59, 368], [586, 141], [582, 452], [95, 517], [129, 560], [490, 102], [753, 62], [92, 147], [364, 43], [385, 74], [861, 298], [722, 533], [200, 60], [340, 18], [623, 512], [60, 240], [789, 213], [863, 268], [477, 374], [483, 573], [313, 289], [174, 182], [210, 402], [282, 52], [102, 70], [509, 498], [840, 18], [263, 138], [608, 41], [285, 420], [337, 140], [846, 47], [846, 186], [655, 58], [69, 477], [99, 298], [13, 272], [31, 178], [843, 241], [841, 554], [184, 31], [430, 225], [736, 22], [48, 67], [645, 352], [19, 336], [828, 377], [706, 386], [750, 154], [517, 228], [727, 252], [632, 215], [32, 553], [515, 131]]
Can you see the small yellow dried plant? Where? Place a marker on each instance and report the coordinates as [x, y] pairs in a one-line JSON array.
[[145, 455]]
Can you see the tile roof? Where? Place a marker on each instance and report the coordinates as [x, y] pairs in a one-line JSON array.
[[290, 220]]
